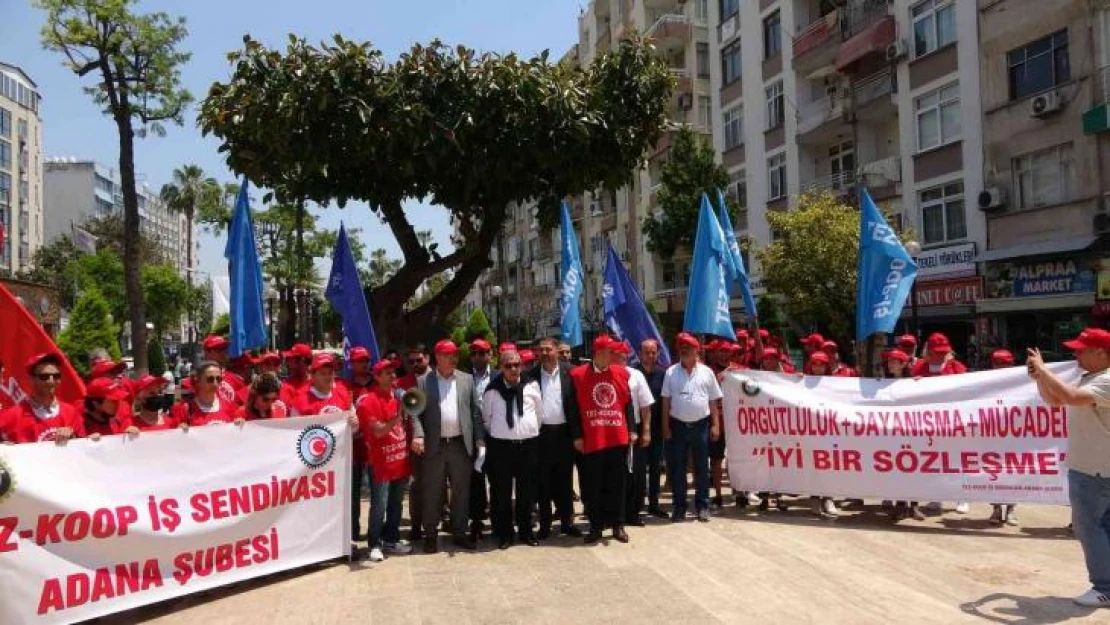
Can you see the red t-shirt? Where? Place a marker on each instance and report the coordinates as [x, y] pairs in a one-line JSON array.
[[388, 453], [114, 425], [278, 410], [230, 387], [292, 387], [190, 412], [9, 420], [308, 403], [168, 422], [602, 398], [846, 372], [30, 428], [921, 369]]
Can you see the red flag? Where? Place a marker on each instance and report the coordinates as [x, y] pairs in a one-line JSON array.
[[24, 338]]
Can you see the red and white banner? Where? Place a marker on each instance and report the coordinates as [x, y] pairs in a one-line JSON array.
[[975, 437], [95, 527]]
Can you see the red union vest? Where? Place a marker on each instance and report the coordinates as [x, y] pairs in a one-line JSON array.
[[602, 398]]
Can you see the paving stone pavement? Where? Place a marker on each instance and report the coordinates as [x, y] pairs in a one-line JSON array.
[[742, 567]]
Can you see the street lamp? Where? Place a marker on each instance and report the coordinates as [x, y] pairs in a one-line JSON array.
[[495, 291], [271, 296], [913, 248]]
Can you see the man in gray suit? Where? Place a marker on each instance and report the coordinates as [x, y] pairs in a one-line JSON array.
[[446, 436]]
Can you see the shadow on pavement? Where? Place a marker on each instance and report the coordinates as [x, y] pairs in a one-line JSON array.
[[1018, 610]]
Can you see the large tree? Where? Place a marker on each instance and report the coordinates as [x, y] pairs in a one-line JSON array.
[[137, 65], [470, 132], [690, 171]]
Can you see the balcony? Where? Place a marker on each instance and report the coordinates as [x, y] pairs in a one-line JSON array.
[[1097, 119], [881, 177], [870, 88], [838, 184], [670, 31], [872, 32], [815, 115], [816, 44], [683, 82]]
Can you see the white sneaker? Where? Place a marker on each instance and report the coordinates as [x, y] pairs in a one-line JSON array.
[[376, 554], [963, 507], [1093, 599], [828, 508], [401, 548]]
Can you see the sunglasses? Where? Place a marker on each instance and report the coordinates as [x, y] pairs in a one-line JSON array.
[[214, 379], [511, 365], [45, 377]]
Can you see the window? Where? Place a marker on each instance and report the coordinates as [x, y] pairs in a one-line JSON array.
[[942, 213], [705, 111], [22, 126], [1044, 177], [703, 60], [938, 117], [730, 63], [701, 10], [776, 177], [5, 189], [934, 25], [729, 8], [774, 105], [772, 35], [738, 191], [1039, 65], [5, 123], [5, 155], [734, 127], [842, 165]]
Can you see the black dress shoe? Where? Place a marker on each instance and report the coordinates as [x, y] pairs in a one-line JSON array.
[[570, 530], [620, 534], [416, 535], [637, 522], [430, 545], [593, 537], [678, 516], [655, 511], [505, 543], [465, 542], [530, 540], [544, 534]]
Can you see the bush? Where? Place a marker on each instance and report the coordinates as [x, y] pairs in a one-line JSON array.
[[155, 356], [90, 327]]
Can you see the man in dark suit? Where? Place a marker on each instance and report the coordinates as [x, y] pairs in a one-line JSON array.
[[447, 435], [556, 472]]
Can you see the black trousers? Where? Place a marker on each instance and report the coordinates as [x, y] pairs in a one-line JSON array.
[[512, 464], [479, 496], [556, 475], [603, 486], [636, 488]]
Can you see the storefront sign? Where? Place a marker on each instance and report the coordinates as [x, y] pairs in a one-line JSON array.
[[947, 262], [963, 291], [1051, 277]]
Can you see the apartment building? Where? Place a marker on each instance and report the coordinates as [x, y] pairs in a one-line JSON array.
[[21, 181], [837, 95], [1044, 111], [77, 190]]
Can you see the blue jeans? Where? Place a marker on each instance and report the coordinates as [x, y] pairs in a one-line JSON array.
[[1090, 516], [693, 437], [385, 511]]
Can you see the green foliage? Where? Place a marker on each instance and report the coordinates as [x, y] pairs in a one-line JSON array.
[[90, 327], [156, 356], [478, 326], [167, 296], [221, 326], [769, 315], [689, 172], [382, 268], [53, 265]]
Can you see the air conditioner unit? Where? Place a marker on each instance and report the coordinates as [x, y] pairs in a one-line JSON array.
[[897, 51], [1045, 104], [686, 101], [1102, 223], [992, 198]]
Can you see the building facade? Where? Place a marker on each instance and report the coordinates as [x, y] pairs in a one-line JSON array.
[[77, 191], [21, 177]]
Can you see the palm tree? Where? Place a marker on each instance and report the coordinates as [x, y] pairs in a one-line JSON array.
[[190, 187]]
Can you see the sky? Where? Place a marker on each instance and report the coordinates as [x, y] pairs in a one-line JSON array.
[[72, 126]]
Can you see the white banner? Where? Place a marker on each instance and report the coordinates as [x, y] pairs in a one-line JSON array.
[[96, 527], [975, 437]]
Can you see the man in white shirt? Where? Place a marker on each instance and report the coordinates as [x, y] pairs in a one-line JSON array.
[[511, 408], [642, 401], [1088, 451], [691, 418], [555, 479]]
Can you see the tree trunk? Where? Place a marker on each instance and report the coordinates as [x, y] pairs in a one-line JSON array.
[[131, 243], [298, 262], [189, 214]]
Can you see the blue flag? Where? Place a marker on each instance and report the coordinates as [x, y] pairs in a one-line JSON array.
[[737, 271], [885, 272], [707, 295], [571, 281], [345, 294], [248, 318], [625, 313]]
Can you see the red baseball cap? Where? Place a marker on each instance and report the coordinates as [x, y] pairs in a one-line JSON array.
[[273, 358], [446, 347], [713, 345], [106, 367], [742, 335], [480, 345], [622, 347], [105, 388], [299, 350], [895, 354], [820, 357], [686, 339], [38, 359], [764, 333], [605, 342], [907, 339], [527, 355], [322, 360], [829, 346], [384, 365], [814, 339], [1090, 338], [769, 353], [244, 359], [149, 382], [506, 347], [937, 342], [215, 343], [358, 353], [1002, 357]]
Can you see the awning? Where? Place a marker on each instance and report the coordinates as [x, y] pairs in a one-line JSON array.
[[1045, 248], [1025, 304]]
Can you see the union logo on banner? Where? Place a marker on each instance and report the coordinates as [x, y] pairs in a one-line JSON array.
[[605, 396]]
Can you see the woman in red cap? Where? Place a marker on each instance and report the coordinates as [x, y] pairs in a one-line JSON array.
[[895, 364], [42, 416], [151, 409], [1003, 513], [206, 406], [263, 400], [939, 360], [103, 397], [818, 364]]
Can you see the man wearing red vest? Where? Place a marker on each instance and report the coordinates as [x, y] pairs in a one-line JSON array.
[[602, 432]]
